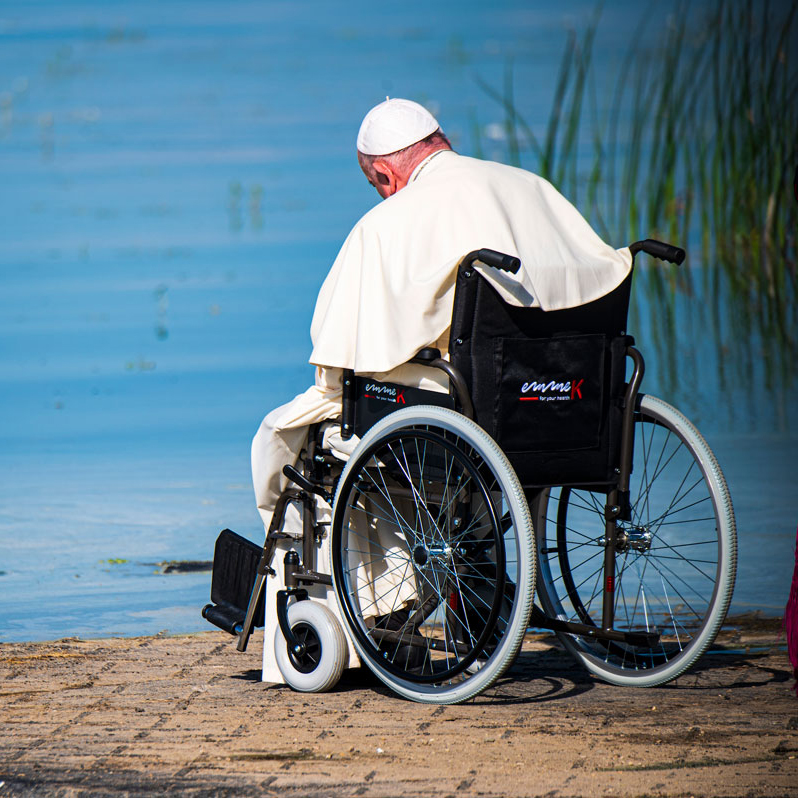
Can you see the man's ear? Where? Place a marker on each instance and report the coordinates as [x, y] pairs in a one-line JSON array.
[[387, 183]]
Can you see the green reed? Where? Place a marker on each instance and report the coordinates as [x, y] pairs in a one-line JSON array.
[[696, 145]]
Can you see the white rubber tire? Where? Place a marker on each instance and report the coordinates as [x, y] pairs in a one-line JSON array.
[[484, 674], [333, 648]]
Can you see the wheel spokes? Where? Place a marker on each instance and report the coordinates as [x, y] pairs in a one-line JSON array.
[[667, 556]]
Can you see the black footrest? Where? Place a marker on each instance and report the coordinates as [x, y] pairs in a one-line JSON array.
[[235, 568], [231, 619]]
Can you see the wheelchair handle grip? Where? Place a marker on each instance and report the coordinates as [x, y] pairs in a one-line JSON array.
[[659, 249], [506, 263]]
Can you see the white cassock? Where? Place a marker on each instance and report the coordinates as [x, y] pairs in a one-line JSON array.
[[390, 293], [391, 289]]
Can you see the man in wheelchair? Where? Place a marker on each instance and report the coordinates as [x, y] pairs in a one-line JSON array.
[[390, 291], [423, 563]]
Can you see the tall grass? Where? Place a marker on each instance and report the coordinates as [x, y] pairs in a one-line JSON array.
[[695, 143]]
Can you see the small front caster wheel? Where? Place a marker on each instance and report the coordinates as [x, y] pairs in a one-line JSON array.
[[319, 663]]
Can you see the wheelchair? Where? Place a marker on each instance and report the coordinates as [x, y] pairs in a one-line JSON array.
[[544, 470]]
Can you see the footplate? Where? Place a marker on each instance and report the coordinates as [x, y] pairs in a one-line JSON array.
[[235, 568]]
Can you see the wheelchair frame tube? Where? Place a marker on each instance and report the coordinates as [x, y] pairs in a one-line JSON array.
[[459, 387], [627, 432], [348, 404], [618, 498], [264, 566]]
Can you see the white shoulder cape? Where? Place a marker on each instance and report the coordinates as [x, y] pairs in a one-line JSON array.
[[391, 288]]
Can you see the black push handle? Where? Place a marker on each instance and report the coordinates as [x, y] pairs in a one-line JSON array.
[[507, 263], [659, 249]]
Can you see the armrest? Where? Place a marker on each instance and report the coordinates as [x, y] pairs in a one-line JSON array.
[[458, 388], [426, 355]]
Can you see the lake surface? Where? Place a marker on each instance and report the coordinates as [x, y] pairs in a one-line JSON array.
[[176, 181]]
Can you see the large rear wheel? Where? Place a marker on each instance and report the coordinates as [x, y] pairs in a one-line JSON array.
[[675, 559], [433, 556]]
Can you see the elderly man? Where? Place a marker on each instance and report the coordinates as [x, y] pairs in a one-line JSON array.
[[391, 288]]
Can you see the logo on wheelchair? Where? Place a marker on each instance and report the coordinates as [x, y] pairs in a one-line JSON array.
[[551, 391], [387, 393]]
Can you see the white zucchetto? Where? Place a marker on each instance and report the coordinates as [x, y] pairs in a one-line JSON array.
[[393, 125]]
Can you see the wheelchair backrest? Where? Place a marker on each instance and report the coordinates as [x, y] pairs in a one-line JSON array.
[[546, 385]]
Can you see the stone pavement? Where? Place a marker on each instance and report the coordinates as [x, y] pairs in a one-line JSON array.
[[189, 716]]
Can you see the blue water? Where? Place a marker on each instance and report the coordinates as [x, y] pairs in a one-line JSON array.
[[176, 179]]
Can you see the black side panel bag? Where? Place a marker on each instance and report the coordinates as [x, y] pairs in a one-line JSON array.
[[375, 400], [550, 393], [558, 412]]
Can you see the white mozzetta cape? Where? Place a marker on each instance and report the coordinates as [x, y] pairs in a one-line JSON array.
[[391, 288]]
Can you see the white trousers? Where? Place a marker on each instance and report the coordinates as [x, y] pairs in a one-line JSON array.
[[279, 440], [283, 433]]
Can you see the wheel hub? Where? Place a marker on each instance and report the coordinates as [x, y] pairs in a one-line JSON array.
[[420, 556], [425, 557], [637, 538], [305, 656]]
